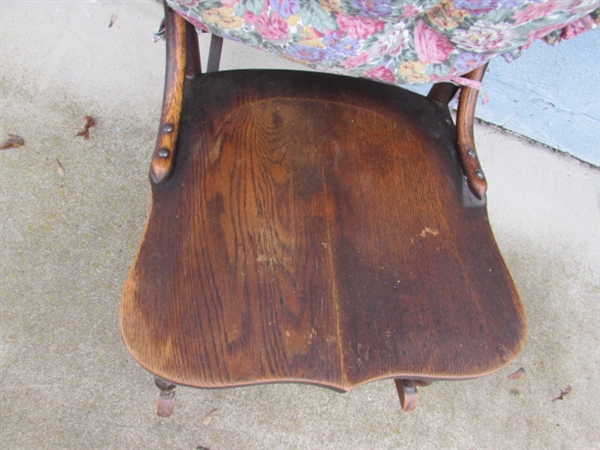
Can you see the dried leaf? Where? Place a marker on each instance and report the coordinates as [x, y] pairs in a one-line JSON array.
[[89, 123], [563, 393], [60, 168], [113, 17], [12, 142], [518, 374], [208, 417], [15, 141]]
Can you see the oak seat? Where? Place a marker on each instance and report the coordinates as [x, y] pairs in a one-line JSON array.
[[317, 228]]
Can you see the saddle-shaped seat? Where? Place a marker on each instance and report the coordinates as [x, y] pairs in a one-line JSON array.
[[315, 228]]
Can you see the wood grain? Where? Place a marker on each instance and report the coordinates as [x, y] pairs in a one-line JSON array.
[[314, 230], [467, 152], [177, 42]]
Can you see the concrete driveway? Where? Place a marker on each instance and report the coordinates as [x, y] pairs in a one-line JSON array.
[[69, 232]]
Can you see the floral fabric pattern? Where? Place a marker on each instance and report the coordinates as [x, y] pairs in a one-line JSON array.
[[394, 41]]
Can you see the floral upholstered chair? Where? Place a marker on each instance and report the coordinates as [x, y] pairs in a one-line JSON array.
[[394, 41]]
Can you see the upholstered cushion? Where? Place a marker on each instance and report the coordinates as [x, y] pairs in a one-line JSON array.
[[395, 41]]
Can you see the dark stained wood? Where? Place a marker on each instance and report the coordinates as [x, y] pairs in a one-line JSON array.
[[442, 92], [466, 139], [193, 66], [176, 42], [214, 53], [314, 230]]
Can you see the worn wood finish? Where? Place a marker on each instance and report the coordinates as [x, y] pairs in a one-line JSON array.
[[314, 230], [166, 399], [466, 138], [407, 391], [177, 44]]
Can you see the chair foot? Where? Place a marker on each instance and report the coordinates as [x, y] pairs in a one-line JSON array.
[[407, 391], [166, 398]]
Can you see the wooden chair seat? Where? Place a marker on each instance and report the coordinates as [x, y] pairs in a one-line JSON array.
[[317, 228]]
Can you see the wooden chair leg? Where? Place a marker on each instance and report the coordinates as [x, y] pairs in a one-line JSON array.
[[166, 398], [407, 391]]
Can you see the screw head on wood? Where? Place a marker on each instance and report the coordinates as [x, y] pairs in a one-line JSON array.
[[168, 127], [163, 152]]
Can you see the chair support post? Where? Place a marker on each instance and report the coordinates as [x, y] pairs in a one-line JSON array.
[[166, 398], [407, 391], [164, 153], [443, 92], [466, 139], [214, 54], [193, 65]]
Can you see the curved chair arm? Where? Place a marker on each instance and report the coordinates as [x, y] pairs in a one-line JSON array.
[[164, 153], [466, 140]]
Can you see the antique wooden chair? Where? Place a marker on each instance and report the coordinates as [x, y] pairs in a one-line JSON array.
[[308, 227]]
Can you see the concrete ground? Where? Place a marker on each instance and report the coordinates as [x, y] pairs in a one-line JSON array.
[[69, 232]]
